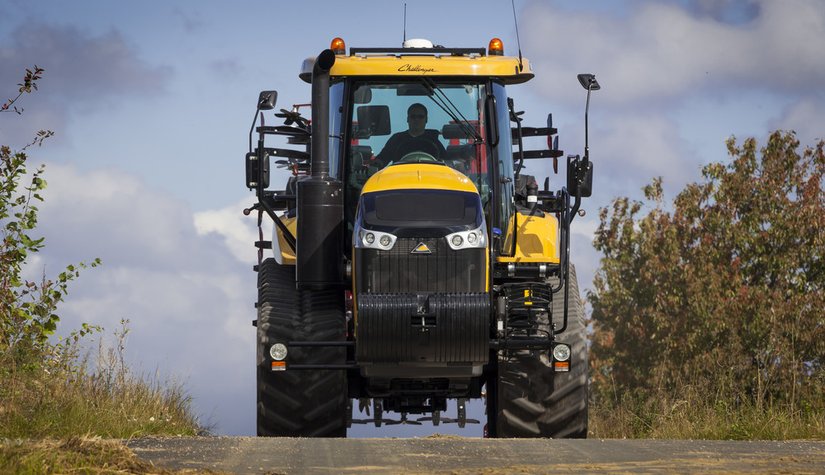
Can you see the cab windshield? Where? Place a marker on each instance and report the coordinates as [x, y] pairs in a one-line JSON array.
[[422, 121]]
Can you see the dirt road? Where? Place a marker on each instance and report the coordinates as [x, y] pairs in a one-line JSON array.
[[458, 455]]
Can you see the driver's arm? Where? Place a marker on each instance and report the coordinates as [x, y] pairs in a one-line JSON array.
[[433, 136], [442, 152], [388, 153]]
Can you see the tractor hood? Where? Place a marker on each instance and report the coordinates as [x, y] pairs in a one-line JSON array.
[[419, 176]]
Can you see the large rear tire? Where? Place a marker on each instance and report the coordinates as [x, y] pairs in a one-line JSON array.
[[299, 403], [530, 399]]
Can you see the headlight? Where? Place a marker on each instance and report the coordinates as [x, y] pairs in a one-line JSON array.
[[278, 351], [373, 239], [477, 238], [561, 352]]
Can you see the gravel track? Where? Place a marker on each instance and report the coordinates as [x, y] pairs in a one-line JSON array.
[[460, 455]]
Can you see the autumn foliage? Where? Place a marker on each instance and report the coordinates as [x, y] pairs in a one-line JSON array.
[[721, 291]]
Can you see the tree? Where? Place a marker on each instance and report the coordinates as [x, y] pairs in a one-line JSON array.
[[723, 290], [46, 386], [27, 308]]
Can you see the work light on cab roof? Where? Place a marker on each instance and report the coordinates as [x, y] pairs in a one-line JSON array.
[[496, 47], [338, 46]]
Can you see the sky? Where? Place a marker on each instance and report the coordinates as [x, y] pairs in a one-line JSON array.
[[151, 104]]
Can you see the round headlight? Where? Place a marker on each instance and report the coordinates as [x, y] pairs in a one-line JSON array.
[[277, 351], [472, 238], [385, 240], [457, 240], [561, 352], [369, 238]]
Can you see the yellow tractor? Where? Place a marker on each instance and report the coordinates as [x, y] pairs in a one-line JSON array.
[[412, 261]]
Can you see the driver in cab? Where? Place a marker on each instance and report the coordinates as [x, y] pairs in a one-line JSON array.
[[416, 139]]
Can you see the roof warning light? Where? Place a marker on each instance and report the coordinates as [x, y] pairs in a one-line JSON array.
[[338, 46], [496, 47]]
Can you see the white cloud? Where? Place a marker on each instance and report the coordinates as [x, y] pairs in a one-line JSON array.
[[637, 148], [189, 300], [805, 116], [662, 51], [237, 231]]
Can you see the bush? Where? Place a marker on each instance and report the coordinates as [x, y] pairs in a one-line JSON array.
[[47, 388], [721, 293]]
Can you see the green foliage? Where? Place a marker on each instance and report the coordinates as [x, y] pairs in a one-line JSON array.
[[46, 387], [723, 291], [26, 87], [27, 308]]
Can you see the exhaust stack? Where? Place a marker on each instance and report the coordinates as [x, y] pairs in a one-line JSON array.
[[320, 197]]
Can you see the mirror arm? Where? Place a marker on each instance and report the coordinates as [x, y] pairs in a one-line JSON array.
[[262, 155], [515, 118], [575, 209], [252, 128], [587, 127]]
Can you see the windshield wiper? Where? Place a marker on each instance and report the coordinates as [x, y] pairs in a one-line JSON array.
[[444, 102]]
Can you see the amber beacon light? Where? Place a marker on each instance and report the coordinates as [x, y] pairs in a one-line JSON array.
[[338, 46], [496, 47]]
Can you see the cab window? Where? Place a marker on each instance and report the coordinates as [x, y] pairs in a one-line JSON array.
[[418, 121]]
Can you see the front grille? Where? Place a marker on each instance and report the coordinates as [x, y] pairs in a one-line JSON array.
[[401, 271], [409, 328]]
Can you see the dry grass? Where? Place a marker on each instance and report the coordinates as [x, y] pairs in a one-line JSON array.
[[693, 415], [72, 455], [63, 396], [76, 455]]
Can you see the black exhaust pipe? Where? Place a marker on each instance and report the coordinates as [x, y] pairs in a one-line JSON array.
[[320, 197], [319, 166]]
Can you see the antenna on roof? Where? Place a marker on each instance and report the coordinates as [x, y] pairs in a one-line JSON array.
[[518, 40], [405, 24]]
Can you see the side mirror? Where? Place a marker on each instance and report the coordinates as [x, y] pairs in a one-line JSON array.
[[362, 95], [579, 176], [491, 121], [266, 100], [373, 120], [588, 81], [253, 170]]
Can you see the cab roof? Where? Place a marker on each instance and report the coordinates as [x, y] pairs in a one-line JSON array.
[[416, 62]]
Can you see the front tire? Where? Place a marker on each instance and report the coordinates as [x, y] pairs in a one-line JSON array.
[[299, 403], [530, 399]]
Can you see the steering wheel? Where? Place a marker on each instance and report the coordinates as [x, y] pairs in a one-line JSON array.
[[418, 157]]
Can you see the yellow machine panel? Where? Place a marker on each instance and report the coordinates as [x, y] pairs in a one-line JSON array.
[[283, 253], [503, 67], [419, 176], [536, 239]]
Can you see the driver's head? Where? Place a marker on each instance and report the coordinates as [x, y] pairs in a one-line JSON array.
[[417, 118]]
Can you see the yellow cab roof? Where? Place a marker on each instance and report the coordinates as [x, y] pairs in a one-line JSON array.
[[505, 68]]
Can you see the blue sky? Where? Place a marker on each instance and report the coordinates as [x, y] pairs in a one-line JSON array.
[[151, 103]]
